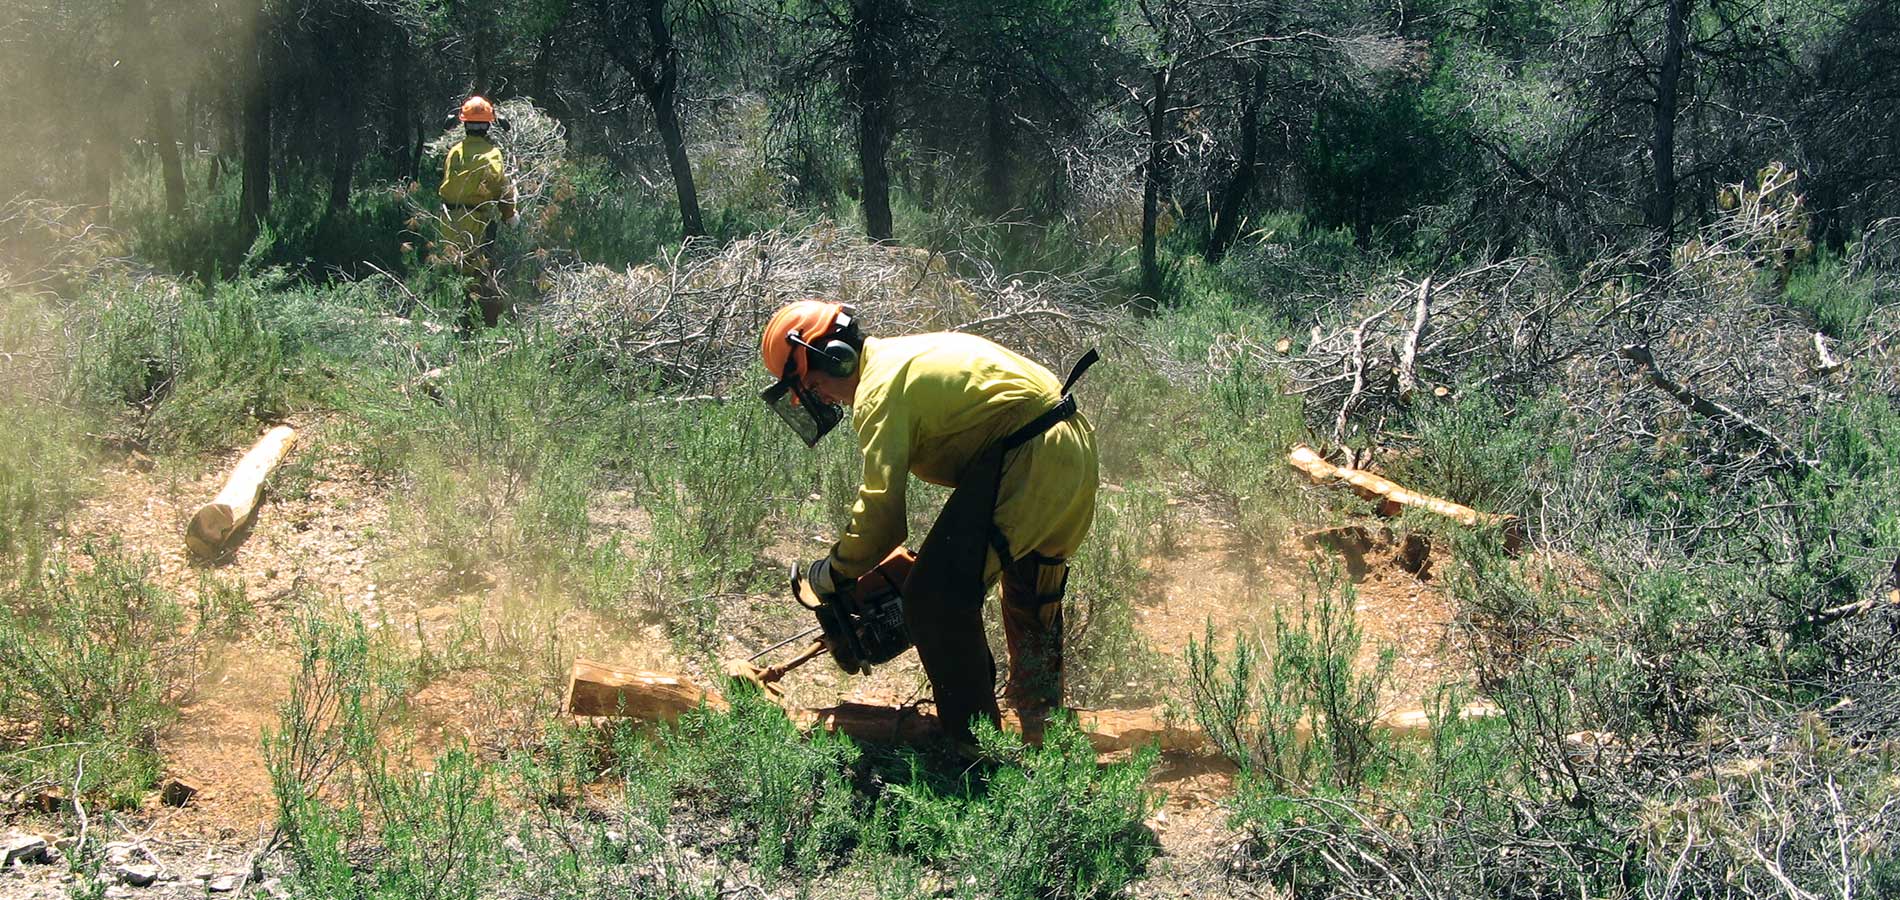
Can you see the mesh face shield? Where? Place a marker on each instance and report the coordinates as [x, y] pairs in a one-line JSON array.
[[809, 417]]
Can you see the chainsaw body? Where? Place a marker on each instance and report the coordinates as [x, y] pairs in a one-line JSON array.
[[863, 626]]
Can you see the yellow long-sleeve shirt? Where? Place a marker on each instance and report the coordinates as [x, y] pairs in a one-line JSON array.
[[927, 405], [473, 175]]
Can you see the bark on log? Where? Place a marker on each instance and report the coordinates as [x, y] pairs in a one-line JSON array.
[[1308, 460], [597, 689], [214, 523]]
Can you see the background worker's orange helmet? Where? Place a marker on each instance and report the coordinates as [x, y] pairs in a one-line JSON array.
[[812, 319], [478, 109]]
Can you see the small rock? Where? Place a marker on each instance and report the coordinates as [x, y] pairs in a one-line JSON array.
[[120, 851], [25, 848], [136, 875], [223, 884]]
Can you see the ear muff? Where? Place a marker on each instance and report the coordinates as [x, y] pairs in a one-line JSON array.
[[838, 355], [837, 359]]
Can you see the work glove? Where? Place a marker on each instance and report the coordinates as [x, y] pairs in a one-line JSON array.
[[827, 584]]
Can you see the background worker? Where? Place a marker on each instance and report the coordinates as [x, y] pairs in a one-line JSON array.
[[476, 194], [963, 412]]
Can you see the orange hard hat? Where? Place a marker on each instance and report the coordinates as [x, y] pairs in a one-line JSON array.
[[812, 319], [478, 109]]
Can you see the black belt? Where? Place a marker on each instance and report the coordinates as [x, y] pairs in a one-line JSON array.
[[1062, 412]]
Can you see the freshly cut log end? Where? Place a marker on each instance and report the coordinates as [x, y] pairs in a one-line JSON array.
[[597, 689], [212, 526]]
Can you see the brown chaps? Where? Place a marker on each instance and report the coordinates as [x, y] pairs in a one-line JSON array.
[[943, 608]]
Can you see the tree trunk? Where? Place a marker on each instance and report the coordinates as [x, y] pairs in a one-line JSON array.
[[165, 135], [1660, 215], [164, 118], [1153, 184], [544, 75], [254, 200], [871, 81], [401, 108], [346, 147], [1233, 200], [662, 90], [996, 146]]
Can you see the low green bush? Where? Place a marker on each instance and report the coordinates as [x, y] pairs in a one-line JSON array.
[[344, 780], [83, 666], [790, 794], [1841, 303], [1305, 720], [1476, 451], [42, 476], [1045, 822]]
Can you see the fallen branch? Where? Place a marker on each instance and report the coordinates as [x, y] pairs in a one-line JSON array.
[[1408, 353], [1392, 496], [1829, 364], [1888, 592], [214, 523], [1358, 364], [1790, 459]]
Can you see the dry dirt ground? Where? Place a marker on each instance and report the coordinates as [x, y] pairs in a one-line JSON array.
[[329, 543]]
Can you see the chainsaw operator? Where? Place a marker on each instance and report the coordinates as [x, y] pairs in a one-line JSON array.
[[963, 412], [476, 194]]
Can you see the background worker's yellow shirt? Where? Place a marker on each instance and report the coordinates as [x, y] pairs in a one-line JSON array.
[[472, 175], [927, 405]]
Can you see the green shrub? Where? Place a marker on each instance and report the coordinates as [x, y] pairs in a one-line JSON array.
[[41, 478], [1841, 303], [1047, 822], [1476, 451], [789, 792], [1237, 447], [343, 781], [188, 371], [82, 663], [1307, 721], [1108, 663]]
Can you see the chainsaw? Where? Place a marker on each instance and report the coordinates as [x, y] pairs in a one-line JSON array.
[[860, 627]]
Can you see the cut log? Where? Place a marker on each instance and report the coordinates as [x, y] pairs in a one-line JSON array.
[[1391, 496], [214, 523], [596, 689]]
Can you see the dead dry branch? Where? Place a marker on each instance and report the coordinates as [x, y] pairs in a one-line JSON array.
[[690, 324]]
